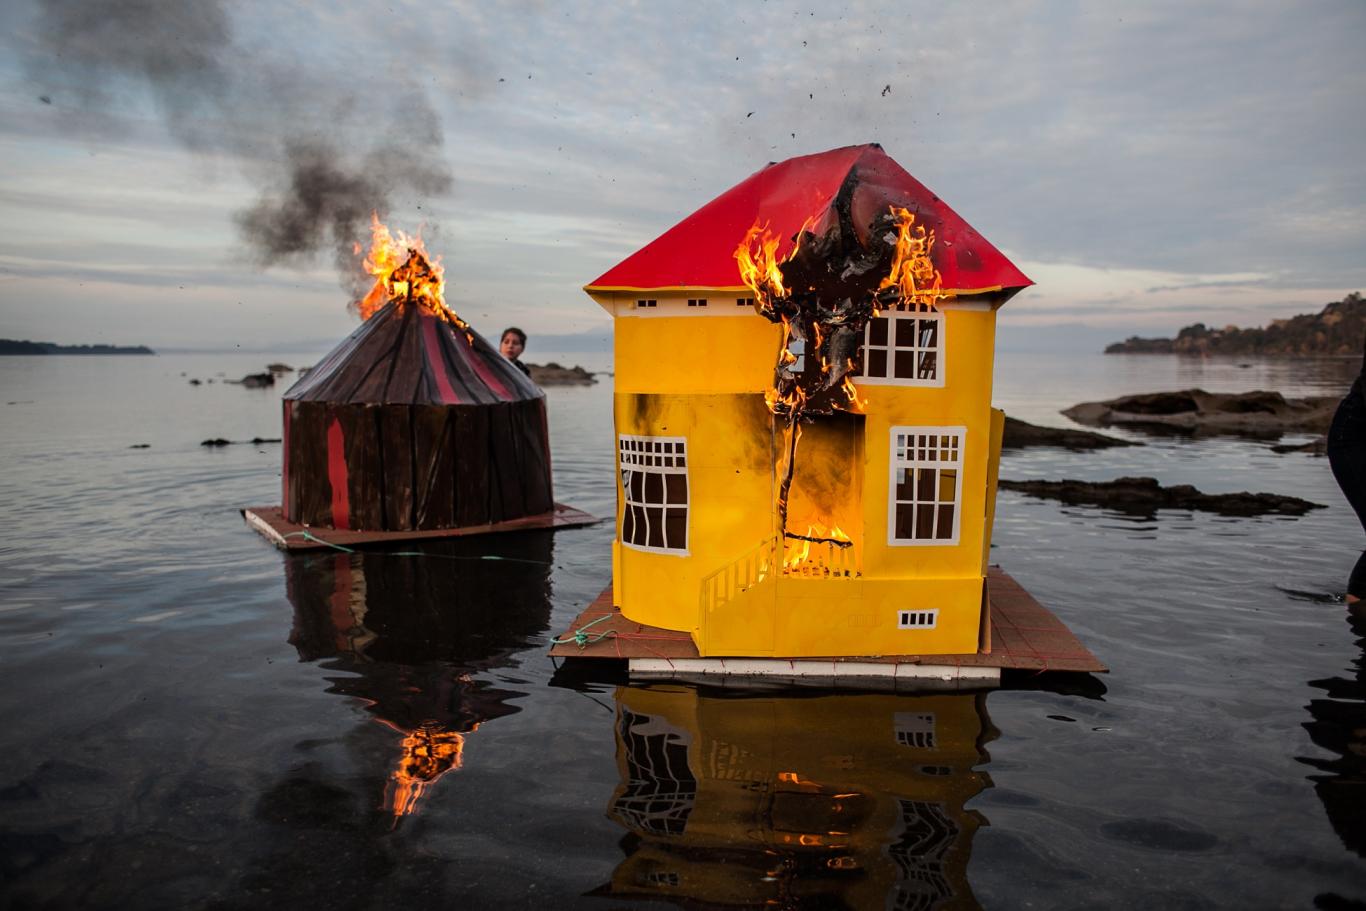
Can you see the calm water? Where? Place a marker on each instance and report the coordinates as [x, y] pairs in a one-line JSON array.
[[193, 719]]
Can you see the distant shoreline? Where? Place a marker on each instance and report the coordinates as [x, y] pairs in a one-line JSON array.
[[24, 348]]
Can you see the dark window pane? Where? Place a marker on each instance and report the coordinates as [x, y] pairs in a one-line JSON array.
[[654, 520], [945, 530], [654, 488], [905, 521], [903, 484], [905, 333], [877, 331], [928, 362], [676, 528], [948, 480], [924, 523], [876, 364], [929, 333], [637, 486], [628, 526], [925, 484], [677, 488], [905, 365]]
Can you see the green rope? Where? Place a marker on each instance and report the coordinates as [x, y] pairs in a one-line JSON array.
[[582, 639], [309, 536]]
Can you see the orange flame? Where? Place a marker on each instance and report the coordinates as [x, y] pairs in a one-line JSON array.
[[402, 268], [428, 753], [913, 273]]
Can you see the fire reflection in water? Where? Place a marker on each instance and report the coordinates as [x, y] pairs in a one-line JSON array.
[[413, 631], [832, 801]]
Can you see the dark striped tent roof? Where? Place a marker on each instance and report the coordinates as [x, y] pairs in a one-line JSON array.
[[406, 354]]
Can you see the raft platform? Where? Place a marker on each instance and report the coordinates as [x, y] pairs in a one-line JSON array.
[[1023, 636], [286, 535]]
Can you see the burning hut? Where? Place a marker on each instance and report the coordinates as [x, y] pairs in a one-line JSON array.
[[413, 426], [825, 484]]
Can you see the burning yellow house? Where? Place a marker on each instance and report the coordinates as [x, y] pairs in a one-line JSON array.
[[805, 437]]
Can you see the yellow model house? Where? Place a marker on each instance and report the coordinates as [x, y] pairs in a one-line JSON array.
[[882, 548]]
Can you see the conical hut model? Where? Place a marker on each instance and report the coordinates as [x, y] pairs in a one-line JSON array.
[[413, 426]]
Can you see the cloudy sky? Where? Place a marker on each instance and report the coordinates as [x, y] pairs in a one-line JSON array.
[[1147, 164]]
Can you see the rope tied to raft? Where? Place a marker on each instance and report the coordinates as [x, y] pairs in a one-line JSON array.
[[581, 637]]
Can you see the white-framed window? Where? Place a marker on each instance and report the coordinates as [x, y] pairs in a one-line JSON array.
[[654, 483], [697, 302], [904, 348], [643, 303], [925, 498], [744, 302]]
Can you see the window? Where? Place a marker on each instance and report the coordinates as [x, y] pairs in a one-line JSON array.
[[654, 480], [926, 485], [904, 348], [697, 302], [640, 304], [914, 729], [744, 302]]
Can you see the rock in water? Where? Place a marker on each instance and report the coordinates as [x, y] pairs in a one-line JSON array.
[[1144, 497]]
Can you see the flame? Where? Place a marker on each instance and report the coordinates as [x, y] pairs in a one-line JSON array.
[[913, 274], [428, 753], [824, 537], [403, 269]]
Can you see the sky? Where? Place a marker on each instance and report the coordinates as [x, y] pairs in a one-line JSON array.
[[1148, 165]]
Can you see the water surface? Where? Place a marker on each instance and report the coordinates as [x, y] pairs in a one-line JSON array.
[[194, 719]]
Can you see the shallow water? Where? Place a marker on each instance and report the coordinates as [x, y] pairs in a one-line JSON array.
[[194, 719]]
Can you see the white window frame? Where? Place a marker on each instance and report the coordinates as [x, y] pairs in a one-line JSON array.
[[905, 452], [646, 454], [893, 317]]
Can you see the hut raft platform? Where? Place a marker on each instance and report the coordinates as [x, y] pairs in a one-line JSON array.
[[271, 523], [1022, 635]]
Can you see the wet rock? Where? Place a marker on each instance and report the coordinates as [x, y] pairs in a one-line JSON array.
[[1317, 447], [216, 441], [195, 382], [1194, 412], [1144, 497], [257, 380], [1021, 435], [257, 441], [141, 446], [279, 368], [552, 374]]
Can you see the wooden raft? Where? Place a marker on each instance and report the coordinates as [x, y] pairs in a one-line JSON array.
[[1024, 636], [286, 535]]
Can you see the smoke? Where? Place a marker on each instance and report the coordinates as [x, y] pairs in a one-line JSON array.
[[322, 158]]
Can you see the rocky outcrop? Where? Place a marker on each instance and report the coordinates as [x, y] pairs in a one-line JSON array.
[[1021, 435], [1144, 497], [552, 374], [1336, 329], [1259, 414]]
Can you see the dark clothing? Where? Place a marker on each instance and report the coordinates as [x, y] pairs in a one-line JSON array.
[[1347, 457], [520, 366]]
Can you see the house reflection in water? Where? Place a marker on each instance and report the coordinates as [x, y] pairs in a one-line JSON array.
[[833, 801], [411, 630]]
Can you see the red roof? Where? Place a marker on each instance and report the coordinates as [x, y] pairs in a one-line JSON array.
[[699, 251]]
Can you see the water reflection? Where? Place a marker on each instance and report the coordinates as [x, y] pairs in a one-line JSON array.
[[1339, 726], [852, 800], [412, 631]]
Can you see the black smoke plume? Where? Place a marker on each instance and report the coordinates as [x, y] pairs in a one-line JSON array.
[[323, 158]]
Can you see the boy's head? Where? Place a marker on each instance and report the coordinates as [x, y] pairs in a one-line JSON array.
[[513, 343]]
